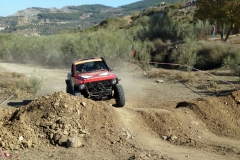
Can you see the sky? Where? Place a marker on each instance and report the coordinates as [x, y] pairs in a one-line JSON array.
[[8, 8]]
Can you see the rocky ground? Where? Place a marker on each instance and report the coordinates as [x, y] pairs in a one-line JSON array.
[[169, 120]]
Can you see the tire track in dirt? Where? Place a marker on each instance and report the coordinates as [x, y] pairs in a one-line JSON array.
[[149, 141]]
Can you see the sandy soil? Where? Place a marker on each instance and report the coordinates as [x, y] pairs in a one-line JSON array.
[[160, 121]]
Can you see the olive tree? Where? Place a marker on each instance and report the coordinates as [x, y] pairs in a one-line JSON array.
[[220, 12]]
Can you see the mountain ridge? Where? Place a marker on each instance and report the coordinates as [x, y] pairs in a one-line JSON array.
[[46, 21]]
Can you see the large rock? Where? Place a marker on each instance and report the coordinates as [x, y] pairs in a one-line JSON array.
[[74, 142]]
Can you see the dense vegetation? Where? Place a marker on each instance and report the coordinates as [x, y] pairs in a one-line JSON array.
[[89, 8], [61, 16], [220, 12], [163, 35], [79, 10], [141, 5]]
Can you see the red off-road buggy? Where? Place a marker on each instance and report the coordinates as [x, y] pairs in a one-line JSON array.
[[92, 78]]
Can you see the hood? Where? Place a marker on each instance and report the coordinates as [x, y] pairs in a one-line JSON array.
[[96, 76]]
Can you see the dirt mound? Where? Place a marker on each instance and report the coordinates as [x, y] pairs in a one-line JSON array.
[[61, 119], [169, 126], [220, 114], [65, 120]]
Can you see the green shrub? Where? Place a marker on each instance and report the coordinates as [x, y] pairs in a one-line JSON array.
[[143, 50], [161, 50], [188, 53], [210, 56], [36, 82], [174, 6], [232, 60], [5, 45], [202, 30], [24, 85]]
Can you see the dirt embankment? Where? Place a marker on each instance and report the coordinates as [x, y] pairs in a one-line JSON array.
[[159, 121], [63, 120]]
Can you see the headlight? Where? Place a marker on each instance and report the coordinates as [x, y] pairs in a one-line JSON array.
[[81, 86], [114, 81]]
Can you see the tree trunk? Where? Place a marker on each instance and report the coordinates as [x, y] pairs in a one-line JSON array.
[[229, 32]]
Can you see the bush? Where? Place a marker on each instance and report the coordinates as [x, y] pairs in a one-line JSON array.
[[36, 82], [111, 45], [210, 56], [143, 50], [188, 53], [5, 45], [174, 6], [161, 52], [13, 83], [232, 60], [24, 85], [202, 30]]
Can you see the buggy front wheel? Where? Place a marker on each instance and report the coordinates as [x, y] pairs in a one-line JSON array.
[[119, 95]]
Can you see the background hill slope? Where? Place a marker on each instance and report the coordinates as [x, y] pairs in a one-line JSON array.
[[45, 21]]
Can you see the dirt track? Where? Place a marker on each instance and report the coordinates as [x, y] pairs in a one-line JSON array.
[[152, 125]]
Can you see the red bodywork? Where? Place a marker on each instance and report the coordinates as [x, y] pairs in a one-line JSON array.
[[92, 77], [95, 76], [82, 78]]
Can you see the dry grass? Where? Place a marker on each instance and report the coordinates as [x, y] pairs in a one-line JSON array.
[[12, 83], [201, 81], [177, 76], [36, 82]]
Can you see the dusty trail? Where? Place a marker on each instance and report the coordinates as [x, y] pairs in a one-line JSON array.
[[145, 96]]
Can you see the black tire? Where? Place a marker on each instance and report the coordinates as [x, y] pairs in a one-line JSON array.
[[119, 95], [69, 88]]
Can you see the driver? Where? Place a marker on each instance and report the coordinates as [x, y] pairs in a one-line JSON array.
[[81, 68], [97, 66]]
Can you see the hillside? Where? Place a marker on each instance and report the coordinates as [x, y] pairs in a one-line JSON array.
[[47, 21]]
